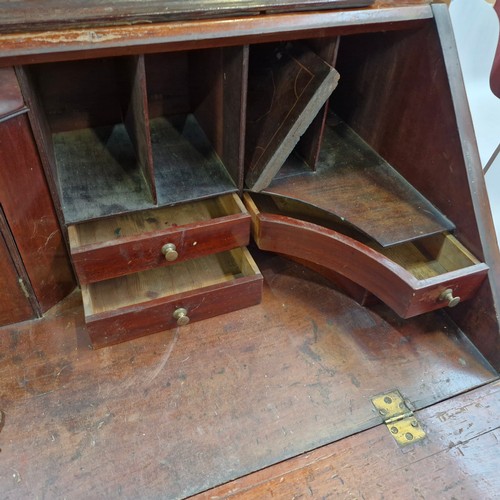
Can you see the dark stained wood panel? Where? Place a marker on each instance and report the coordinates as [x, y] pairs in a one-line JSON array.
[[23, 15], [287, 87], [11, 99], [30, 213], [14, 305], [178, 412], [459, 459], [356, 184]]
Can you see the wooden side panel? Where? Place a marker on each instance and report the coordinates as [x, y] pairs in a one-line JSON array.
[[28, 207], [14, 305]]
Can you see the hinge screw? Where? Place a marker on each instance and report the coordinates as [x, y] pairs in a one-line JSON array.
[[394, 430], [409, 436]]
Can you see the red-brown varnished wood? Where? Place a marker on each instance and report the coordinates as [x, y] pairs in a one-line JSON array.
[[181, 35], [11, 100], [458, 459], [390, 282], [438, 156], [182, 411], [121, 256], [15, 306], [30, 214]]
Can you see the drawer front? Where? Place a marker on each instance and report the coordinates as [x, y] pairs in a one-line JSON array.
[[407, 295], [159, 299], [158, 315], [139, 252]]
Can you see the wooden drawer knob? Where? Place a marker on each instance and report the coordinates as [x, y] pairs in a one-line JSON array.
[[181, 316], [170, 252], [447, 296]]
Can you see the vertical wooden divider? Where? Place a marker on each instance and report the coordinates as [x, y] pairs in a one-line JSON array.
[[43, 138], [235, 84], [134, 103], [310, 143]]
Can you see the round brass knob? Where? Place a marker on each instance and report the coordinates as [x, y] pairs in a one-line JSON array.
[[170, 252], [447, 296], [181, 316]]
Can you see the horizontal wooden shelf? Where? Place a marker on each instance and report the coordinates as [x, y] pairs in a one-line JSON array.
[[143, 303], [353, 182], [411, 278], [129, 243]]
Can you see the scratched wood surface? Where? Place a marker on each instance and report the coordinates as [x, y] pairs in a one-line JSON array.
[[185, 410], [459, 459]]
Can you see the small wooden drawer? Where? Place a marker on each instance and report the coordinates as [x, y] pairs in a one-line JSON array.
[[125, 244], [159, 299], [411, 278]]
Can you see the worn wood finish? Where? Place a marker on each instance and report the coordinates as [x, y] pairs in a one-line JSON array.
[[385, 206], [14, 305], [431, 154], [287, 88], [143, 303], [113, 247], [397, 284], [11, 101], [21, 16], [28, 207], [198, 172], [309, 145], [181, 35], [132, 84], [178, 412], [458, 459]]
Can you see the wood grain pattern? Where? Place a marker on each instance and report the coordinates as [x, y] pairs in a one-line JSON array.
[[287, 87], [143, 303], [21, 16], [28, 207], [11, 101], [405, 280], [133, 243], [457, 460], [178, 412], [353, 182], [181, 35], [439, 157], [14, 305]]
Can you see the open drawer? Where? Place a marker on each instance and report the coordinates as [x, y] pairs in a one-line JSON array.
[[159, 299], [411, 278], [116, 246]]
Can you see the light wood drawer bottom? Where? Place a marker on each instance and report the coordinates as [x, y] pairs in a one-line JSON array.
[[143, 303]]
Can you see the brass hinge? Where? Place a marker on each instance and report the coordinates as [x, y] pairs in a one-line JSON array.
[[399, 419]]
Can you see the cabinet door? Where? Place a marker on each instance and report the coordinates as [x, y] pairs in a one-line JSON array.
[[14, 304]]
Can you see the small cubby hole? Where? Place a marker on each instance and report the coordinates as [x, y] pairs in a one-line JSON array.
[[93, 119]]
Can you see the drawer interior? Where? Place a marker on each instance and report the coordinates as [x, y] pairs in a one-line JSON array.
[[424, 258], [135, 224], [110, 295]]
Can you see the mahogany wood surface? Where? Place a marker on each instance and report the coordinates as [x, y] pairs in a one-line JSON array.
[[137, 253], [438, 156], [390, 282], [11, 100], [353, 182], [22, 15], [14, 305], [181, 411], [458, 459], [179, 35], [28, 207]]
